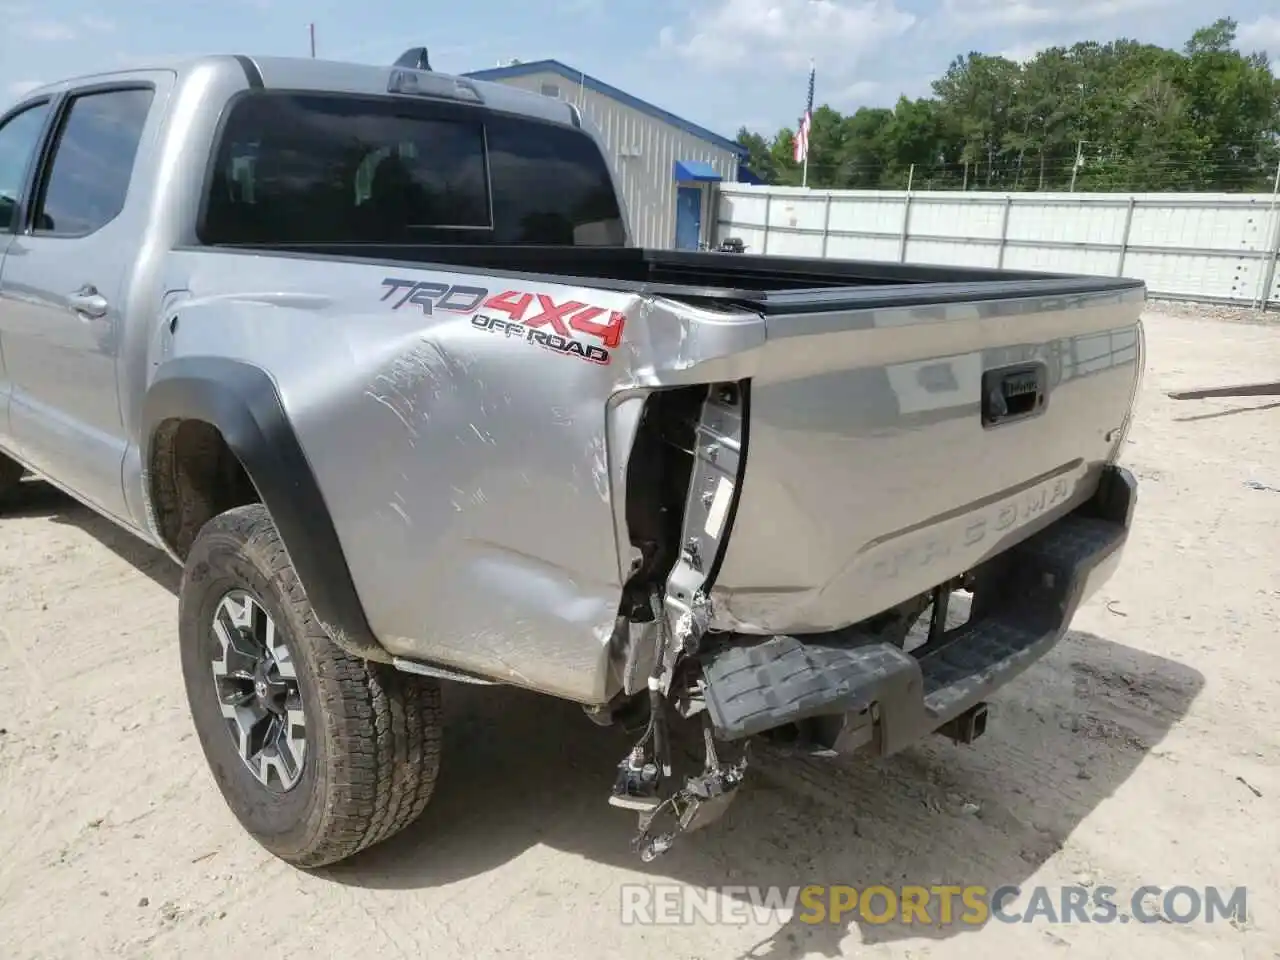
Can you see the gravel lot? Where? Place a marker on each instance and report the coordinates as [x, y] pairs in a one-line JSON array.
[[1144, 750]]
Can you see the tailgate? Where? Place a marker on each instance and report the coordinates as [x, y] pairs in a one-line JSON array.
[[891, 447]]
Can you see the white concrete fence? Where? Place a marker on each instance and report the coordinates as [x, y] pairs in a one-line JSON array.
[[1213, 248]]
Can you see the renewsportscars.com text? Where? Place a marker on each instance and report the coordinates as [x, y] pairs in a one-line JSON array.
[[938, 905]]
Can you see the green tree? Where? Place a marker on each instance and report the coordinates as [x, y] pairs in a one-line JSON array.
[[918, 136], [1231, 103], [781, 153], [976, 96], [867, 148], [1119, 115], [759, 159], [1047, 119]]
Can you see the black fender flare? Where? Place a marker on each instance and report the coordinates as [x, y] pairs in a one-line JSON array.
[[242, 402]]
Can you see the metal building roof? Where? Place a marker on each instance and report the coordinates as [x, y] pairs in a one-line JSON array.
[[600, 87]]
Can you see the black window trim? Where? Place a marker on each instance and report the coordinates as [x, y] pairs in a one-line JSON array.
[[52, 137], [17, 223], [440, 108]]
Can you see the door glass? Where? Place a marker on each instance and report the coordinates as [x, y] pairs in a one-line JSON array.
[[93, 162], [19, 138]]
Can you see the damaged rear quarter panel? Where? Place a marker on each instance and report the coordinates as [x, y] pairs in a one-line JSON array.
[[467, 468]]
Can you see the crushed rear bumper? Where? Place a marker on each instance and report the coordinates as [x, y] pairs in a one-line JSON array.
[[852, 691]]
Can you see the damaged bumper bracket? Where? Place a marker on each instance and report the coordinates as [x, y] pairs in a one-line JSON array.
[[718, 459], [718, 439], [867, 693]]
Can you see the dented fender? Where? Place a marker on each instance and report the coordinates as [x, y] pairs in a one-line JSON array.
[[241, 401], [469, 437]]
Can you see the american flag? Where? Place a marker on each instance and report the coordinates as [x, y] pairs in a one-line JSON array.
[[801, 143]]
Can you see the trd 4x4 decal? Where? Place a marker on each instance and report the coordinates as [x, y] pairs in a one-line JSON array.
[[532, 317]]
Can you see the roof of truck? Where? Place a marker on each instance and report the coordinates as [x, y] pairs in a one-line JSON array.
[[304, 73]]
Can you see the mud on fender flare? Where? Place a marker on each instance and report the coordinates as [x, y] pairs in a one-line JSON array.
[[242, 402]]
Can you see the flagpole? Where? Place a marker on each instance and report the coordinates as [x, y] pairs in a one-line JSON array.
[[808, 139], [800, 143]]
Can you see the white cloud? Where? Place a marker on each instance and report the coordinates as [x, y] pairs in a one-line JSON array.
[[856, 94], [98, 24], [1261, 34], [787, 32], [49, 31], [1025, 50], [1028, 12]]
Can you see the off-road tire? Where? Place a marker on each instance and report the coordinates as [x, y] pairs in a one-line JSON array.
[[372, 734]]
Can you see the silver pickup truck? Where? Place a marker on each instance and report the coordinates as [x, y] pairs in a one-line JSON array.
[[369, 352]]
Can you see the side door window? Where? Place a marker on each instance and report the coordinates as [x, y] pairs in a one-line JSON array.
[[19, 139], [92, 162]]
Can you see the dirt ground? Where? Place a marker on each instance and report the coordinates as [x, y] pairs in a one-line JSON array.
[[1144, 750]]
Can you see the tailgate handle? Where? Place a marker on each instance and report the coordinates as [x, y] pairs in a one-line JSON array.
[[1013, 393]]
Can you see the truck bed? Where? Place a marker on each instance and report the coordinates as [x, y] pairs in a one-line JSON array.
[[875, 469], [766, 283]]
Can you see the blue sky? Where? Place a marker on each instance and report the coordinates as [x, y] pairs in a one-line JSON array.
[[720, 63]]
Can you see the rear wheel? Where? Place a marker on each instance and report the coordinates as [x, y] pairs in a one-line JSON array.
[[317, 753]]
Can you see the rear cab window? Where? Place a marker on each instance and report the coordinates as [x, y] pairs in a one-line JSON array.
[[296, 168]]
